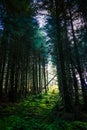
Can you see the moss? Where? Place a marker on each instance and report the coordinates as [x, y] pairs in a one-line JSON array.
[[35, 113], [77, 125]]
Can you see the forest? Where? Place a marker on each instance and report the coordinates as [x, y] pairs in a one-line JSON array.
[[43, 65]]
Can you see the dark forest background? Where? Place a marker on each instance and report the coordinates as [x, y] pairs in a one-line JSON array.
[[25, 51]]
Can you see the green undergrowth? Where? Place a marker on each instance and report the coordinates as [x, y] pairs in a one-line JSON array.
[[35, 113]]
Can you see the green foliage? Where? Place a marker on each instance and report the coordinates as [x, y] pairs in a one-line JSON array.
[[15, 122], [34, 114], [28, 114], [79, 125]]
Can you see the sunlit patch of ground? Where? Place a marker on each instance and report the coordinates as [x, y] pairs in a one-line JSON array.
[[53, 89]]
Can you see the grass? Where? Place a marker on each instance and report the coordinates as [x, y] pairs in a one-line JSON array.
[[35, 113]]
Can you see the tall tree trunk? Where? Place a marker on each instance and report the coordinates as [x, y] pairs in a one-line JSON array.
[[40, 84], [78, 60], [44, 74], [76, 87], [67, 101]]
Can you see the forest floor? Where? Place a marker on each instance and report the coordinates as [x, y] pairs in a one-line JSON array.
[[36, 113]]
